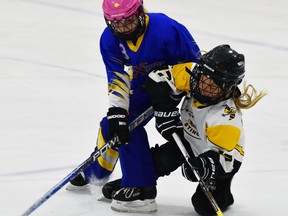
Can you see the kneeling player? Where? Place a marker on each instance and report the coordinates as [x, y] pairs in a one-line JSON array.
[[212, 127]]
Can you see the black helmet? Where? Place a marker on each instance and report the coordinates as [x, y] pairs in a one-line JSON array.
[[222, 66]]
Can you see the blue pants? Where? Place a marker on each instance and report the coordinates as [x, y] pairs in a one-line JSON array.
[[135, 157]]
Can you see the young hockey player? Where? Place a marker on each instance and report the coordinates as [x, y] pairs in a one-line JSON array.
[[212, 120], [143, 42]]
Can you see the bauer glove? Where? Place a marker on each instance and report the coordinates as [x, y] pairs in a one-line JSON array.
[[206, 164], [117, 124], [167, 120]]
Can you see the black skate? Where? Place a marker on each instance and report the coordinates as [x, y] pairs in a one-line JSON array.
[[135, 200], [78, 184], [110, 188]]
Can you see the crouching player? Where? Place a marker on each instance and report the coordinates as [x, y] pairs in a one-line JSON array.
[[212, 127]]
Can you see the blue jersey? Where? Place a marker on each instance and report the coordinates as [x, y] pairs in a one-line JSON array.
[[165, 42]]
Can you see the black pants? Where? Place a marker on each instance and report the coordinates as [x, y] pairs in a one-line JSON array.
[[222, 194], [168, 157]]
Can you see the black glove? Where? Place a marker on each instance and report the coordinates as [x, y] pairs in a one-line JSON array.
[[167, 119], [206, 164], [160, 92], [117, 124]]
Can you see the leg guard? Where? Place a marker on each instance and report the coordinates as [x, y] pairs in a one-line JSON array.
[[106, 163]]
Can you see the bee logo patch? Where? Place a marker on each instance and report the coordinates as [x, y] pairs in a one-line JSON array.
[[231, 111]]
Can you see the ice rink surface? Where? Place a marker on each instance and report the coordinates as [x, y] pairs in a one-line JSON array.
[[53, 96]]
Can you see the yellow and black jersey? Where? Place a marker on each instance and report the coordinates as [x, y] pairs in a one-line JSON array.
[[217, 127]]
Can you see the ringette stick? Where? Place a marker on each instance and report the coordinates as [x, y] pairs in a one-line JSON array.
[[203, 185], [145, 115]]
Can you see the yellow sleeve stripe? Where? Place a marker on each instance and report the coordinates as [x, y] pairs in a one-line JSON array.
[[118, 87], [224, 136], [120, 84], [240, 149], [181, 76]]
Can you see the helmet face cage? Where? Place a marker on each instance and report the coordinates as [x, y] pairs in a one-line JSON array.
[[128, 28], [207, 89], [217, 75]]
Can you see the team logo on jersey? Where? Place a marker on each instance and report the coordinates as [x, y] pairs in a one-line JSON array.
[[191, 128], [144, 68], [231, 111]]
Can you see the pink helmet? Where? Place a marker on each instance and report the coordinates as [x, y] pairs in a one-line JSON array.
[[118, 9]]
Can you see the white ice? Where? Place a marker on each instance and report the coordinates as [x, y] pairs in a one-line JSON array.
[[53, 95]]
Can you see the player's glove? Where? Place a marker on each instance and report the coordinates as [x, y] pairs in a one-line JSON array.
[[164, 103], [156, 84], [206, 164], [117, 124], [167, 119]]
